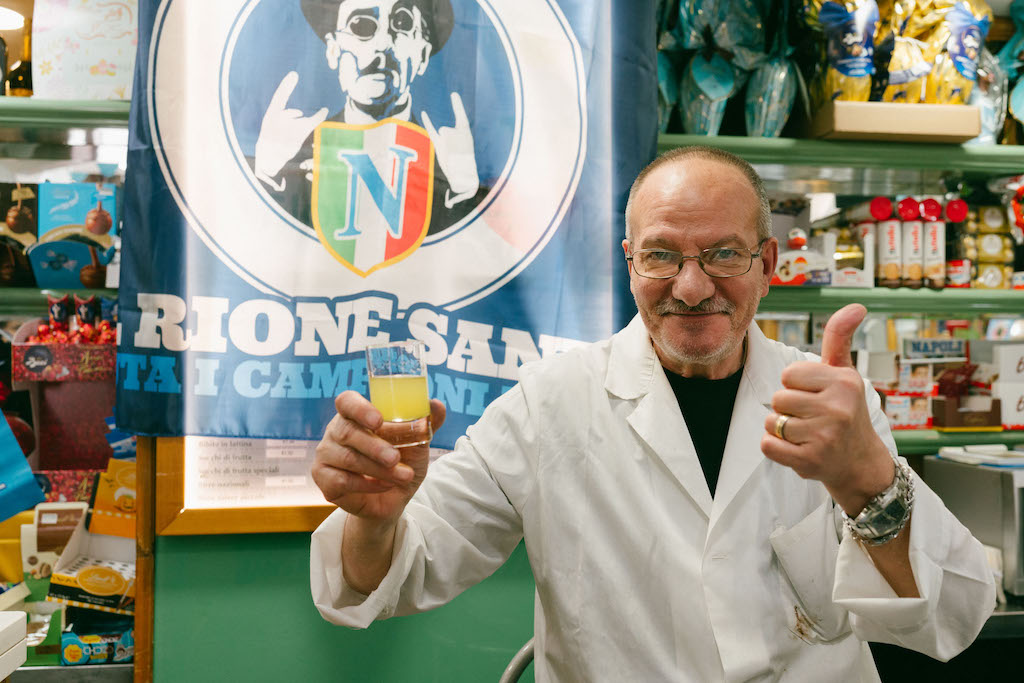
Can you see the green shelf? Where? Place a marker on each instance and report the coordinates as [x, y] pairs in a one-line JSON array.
[[928, 441], [949, 302], [27, 302], [979, 159], [30, 112]]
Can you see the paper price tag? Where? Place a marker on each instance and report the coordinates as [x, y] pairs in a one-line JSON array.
[[284, 482]]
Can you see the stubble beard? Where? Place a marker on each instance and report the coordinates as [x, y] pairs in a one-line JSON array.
[[715, 304]]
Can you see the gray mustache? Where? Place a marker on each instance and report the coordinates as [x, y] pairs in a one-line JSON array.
[[712, 305]]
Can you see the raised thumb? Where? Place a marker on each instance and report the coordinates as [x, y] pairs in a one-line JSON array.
[[838, 336]]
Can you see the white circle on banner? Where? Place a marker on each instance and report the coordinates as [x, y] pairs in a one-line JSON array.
[[198, 156]]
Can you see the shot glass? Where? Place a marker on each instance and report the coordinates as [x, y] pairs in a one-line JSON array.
[[398, 389]]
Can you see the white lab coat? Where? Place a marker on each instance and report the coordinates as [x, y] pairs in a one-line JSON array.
[[640, 575]]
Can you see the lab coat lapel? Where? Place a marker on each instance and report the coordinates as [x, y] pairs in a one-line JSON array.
[[634, 373], [743, 459]]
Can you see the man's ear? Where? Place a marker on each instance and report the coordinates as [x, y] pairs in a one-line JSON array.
[[333, 51], [629, 267], [769, 261]]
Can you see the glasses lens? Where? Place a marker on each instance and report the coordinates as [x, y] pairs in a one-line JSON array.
[[725, 261], [362, 27], [656, 263], [402, 20]]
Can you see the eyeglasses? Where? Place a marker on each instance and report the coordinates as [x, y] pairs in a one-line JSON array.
[[661, 264], [365, 27]]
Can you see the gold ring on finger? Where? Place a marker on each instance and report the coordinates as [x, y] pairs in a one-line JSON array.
[[780, 426]]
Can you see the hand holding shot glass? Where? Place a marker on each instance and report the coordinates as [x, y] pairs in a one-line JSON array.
[[398, 389]]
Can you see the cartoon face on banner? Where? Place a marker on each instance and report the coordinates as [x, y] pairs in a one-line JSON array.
[[340, 146]]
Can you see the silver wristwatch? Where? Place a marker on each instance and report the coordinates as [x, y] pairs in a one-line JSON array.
[[885, 515]]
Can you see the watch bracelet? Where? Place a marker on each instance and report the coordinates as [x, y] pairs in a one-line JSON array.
[[903, 473]]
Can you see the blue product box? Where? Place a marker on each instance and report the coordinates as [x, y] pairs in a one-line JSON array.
[[77, 223]]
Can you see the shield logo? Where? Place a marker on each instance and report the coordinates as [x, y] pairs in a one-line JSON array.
[[372, 191]]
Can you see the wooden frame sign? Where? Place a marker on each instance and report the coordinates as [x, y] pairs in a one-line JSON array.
[[214, 485]]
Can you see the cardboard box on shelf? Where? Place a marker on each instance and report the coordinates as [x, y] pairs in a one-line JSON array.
[[966, 414], [89, 46], [66, 486], [889, 121], [42, 542], [864, 276], [1011, 395], [113, 509], [95, 571], [812, 265], [77, 222], [59, 362], [879, 367], [113, 648], [94, 637], [997, 360], [908, 412]]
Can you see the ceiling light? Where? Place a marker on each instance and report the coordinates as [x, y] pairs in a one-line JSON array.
[[10, 20]]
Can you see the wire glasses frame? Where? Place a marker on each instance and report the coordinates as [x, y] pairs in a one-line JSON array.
[[722, 261], [364, 27]]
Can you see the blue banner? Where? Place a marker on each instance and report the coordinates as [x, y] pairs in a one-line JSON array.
[[307, 177]]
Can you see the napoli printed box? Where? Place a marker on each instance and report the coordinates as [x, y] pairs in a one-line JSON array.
[[95, 571], [1011, 395], [934, 349], [84, 50], [898, 122], [77, 222]]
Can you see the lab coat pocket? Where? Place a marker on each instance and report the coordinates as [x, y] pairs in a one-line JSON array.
[[807, 555]]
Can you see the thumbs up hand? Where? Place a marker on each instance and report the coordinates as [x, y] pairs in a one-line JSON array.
[[826, 431]]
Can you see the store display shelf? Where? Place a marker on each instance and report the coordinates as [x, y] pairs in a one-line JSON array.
[[30, 112], [928, 441], [948, 302], [980, 159], [21, 301], [92, 673]]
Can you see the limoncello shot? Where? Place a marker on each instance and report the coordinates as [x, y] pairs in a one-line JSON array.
[[398, 389]]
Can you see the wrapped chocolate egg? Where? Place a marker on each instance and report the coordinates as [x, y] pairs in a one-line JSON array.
[[98, 221], [20, 219]]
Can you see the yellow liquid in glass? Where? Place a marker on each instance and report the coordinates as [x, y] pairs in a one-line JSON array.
[[400, 399]]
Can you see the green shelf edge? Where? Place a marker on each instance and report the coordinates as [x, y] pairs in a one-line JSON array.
[[988, 159], [22, 302], [948, 302], [29, 112], [928, 441]]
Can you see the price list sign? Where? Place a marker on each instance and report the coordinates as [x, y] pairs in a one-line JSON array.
[[246, 473]]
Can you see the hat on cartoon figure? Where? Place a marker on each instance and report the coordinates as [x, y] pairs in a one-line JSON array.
[[322, 15]]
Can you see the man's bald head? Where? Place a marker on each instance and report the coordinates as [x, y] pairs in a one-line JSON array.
[[702, 153]]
